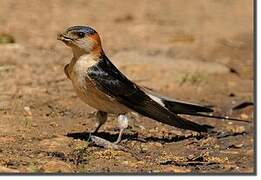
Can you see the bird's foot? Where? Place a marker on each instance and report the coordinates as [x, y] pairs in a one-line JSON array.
[[112, 145], [104, 143], [123, 124]]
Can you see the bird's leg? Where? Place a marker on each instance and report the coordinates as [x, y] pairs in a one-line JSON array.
[[123, 124], [101, 118]]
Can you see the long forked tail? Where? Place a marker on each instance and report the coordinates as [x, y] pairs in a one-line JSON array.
[[220, 117], [180, 107]]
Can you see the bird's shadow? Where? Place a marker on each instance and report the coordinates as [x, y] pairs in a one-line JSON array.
[[134, 136], [105, 135]]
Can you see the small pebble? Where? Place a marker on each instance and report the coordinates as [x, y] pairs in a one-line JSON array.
[[27, 110]]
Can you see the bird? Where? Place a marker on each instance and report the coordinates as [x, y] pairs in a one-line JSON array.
[[101, 85]]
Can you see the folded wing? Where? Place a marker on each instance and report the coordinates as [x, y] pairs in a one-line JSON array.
[[108, 79]]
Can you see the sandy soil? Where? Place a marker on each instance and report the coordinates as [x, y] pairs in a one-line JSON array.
[[199, 51]]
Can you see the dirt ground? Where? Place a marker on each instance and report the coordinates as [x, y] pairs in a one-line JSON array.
[[199, 51]]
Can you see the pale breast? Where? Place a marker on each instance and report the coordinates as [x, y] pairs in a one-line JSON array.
[[86, 90]]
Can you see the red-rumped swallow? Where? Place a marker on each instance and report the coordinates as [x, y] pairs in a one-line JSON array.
[[102, 86]]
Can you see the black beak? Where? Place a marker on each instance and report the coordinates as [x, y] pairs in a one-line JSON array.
[[64, 38]]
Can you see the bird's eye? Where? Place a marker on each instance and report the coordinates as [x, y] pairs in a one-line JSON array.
[[80, 34]]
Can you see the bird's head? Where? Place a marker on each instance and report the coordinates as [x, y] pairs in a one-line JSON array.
[[82, 40]]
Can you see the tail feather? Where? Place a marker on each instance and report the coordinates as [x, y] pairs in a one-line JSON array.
[[220, 117], [179, 107]]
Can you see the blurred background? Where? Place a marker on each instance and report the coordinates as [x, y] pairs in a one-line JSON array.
[[200, 51], [133, 24]]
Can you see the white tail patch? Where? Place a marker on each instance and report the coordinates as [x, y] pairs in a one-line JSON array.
[[156, 99]]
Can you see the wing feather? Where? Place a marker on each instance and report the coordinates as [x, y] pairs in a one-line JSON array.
[[108, 79]]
